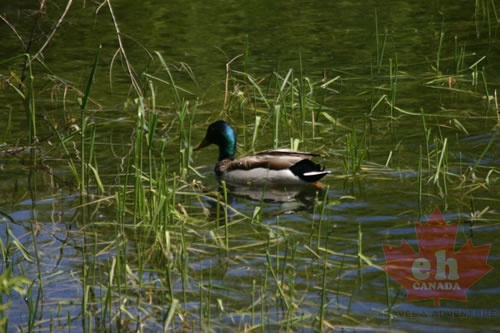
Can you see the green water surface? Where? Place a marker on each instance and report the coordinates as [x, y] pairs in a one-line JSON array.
[[392, 61]]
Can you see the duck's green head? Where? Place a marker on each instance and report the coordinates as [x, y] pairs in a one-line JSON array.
[[221, 134]]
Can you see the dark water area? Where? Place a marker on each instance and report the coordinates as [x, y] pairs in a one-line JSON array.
[[415, 81]]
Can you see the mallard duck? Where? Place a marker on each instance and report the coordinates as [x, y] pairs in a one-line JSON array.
[[280, 167]]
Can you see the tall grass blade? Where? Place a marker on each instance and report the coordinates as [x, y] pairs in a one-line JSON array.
[[170, 315]]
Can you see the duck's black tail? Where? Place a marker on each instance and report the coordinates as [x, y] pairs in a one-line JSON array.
[[309, 171]]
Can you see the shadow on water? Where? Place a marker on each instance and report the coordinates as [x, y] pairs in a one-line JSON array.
[[281, 200]]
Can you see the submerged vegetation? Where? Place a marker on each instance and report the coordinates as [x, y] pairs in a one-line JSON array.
[[140, 237]]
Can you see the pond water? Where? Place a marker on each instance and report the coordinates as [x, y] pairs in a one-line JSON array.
[[398, 97]]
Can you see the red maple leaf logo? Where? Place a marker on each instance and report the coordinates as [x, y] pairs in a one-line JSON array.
[[436, 271]]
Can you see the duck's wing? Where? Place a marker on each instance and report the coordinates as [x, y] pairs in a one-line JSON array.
[[271, 159], [286, 153]]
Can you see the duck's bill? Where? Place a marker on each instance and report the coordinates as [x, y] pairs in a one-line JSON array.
[[202, 144]]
